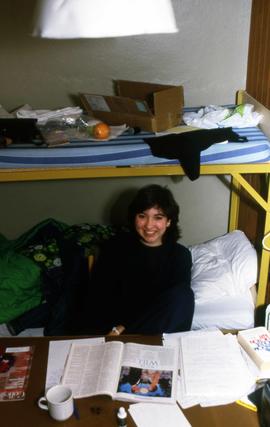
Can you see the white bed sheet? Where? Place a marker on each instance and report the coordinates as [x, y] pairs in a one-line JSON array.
[[227, 312]]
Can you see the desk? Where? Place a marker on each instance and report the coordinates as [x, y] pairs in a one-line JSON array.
[[100, 411]]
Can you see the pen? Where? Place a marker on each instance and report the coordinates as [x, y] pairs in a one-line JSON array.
[[76, 412]]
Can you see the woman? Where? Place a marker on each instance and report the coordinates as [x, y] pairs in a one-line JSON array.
[[141, 281]]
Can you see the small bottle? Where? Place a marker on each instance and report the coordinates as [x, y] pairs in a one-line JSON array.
[[122, 417]]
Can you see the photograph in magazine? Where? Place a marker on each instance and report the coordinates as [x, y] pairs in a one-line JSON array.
[[145, 382]]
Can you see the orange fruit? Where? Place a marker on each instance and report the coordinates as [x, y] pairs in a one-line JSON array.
[[101, 131]]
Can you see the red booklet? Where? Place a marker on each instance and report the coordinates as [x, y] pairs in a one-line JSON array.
[[15, 365]]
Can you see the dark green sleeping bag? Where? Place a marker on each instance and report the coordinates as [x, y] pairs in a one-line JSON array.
[[19, 284]]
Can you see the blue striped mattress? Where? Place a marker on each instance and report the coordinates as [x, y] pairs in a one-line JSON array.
[[131, 150]]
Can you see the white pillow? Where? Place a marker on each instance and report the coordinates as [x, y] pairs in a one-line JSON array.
[[226, 265]]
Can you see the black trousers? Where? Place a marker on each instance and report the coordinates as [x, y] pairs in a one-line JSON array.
[[170, 311]]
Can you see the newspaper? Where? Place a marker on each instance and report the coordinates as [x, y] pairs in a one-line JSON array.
[[15, 365], [128, 372]]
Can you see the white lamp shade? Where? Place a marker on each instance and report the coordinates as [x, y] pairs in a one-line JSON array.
[[69, 19]]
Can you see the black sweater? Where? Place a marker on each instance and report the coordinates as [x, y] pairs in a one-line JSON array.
[[129, 274]]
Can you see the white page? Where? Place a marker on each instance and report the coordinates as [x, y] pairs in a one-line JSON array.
[[174, 337], [184, 400], [93, 369], [155, 415], [58, 352], [149, 356], [217, 401], [213, 366], [146, 361]]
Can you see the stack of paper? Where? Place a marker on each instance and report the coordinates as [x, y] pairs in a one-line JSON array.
[[212, 369]]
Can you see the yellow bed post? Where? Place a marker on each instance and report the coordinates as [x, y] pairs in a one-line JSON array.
[[265, 259], [243, 97], [234, 204], [237, 181]]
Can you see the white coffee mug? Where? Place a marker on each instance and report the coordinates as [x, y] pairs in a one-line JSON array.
[[58, 401]]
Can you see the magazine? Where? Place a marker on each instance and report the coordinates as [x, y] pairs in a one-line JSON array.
[[131, 372], [15, 365]]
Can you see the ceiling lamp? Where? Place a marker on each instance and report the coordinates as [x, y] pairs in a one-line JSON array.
[[71, 19]]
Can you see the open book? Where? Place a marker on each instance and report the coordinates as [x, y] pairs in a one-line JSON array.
[[132, 372]]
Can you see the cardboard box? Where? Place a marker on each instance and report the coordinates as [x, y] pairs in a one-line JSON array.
[[151, 107]]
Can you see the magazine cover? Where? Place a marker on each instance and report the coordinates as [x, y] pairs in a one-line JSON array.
[[15, 365]]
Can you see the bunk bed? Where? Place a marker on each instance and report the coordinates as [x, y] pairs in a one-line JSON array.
[[233, 160]]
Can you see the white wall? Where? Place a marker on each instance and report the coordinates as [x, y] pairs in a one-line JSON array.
[[87, 201], [208, 56]]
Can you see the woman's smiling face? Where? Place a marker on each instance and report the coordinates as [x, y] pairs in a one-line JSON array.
[[151, 225]]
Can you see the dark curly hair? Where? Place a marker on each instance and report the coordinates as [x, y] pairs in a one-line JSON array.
[[155, 195]]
